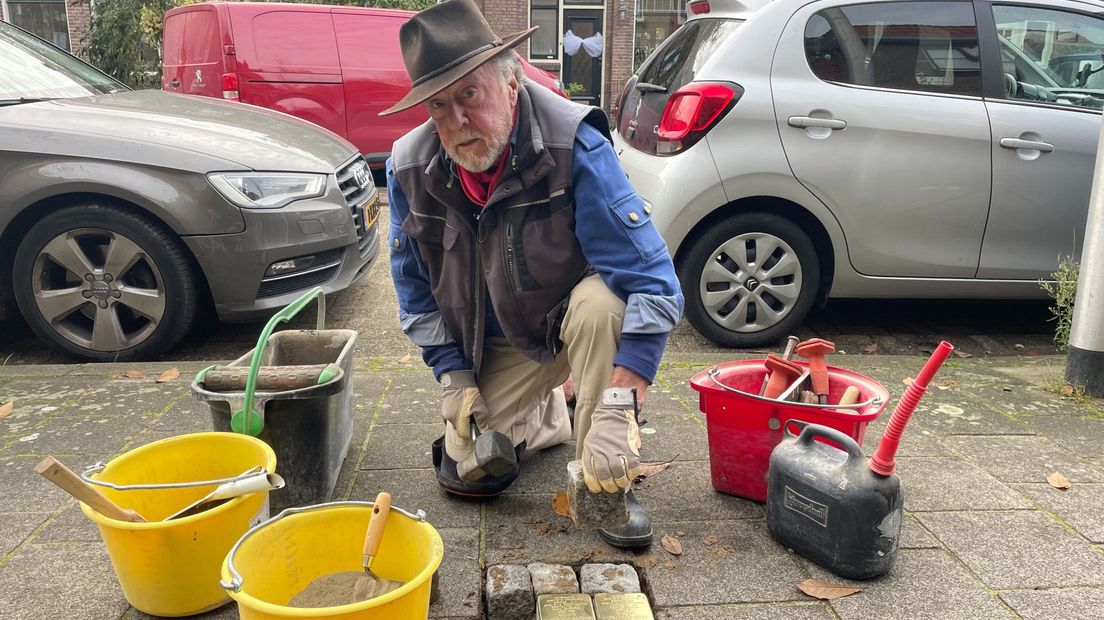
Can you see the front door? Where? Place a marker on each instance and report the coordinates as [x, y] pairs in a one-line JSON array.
[[583, 46]]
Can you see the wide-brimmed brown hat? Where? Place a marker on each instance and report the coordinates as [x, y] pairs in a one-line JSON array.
[[444, 43]]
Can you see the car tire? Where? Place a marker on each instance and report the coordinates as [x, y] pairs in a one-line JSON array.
[[135, 298], [749, 280]]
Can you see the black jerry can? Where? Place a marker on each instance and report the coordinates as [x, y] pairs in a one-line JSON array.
[[827, 505]]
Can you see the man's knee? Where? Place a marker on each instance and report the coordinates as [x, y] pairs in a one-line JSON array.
[[593, 306]]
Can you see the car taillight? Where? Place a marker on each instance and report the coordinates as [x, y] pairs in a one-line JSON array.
[[230, 86], [691, 112], [700, 7]]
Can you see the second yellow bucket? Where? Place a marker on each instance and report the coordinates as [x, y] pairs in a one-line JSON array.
[[171, 568], [277, 559]]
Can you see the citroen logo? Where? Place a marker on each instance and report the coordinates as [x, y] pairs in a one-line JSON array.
[[751, 284]]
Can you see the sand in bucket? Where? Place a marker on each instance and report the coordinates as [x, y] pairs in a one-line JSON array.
[[349, 587]]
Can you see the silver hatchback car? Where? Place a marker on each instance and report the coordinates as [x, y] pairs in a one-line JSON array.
[[797, 150], [124, 213]]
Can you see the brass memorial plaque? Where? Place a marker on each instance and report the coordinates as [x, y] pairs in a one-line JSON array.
[[632, 606], [564, 607]]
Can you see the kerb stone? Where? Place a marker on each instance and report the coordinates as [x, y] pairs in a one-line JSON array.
[[509, 593], [553, 579], [613, 578]]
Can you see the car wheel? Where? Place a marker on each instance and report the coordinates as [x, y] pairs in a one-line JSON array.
[[104, 284], [750, 280]]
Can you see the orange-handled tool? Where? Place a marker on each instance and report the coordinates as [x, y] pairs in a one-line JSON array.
[[814, 350], [782, 374]]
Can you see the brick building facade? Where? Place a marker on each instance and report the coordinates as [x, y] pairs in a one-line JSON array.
[[61, 22]]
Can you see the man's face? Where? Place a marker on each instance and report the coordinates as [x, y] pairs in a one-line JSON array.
[[474, 117]]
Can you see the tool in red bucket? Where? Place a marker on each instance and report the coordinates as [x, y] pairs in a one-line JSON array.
[[814, 350], [836, 508], [743, 427]]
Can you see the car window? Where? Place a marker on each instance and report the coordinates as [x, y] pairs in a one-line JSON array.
[[31, 68], [672, 66], [295, 41], [1051, 55], [919, 46]]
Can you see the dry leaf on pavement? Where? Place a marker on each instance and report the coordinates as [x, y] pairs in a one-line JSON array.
[[825, 590], [648, 470], [6, 408], [406, 359], [168, 375], [711, 540], [1067, 390], [907, 380], [134, 374], [1059, 481], [560, 504], [871, 348], [671, 544], [1018, 347]]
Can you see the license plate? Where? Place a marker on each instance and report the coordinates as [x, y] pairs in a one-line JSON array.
[[369, 212]]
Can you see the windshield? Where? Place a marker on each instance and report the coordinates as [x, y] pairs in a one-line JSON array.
[[31, 68]]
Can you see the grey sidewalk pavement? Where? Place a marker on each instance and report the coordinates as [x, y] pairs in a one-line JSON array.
[[985, 535]]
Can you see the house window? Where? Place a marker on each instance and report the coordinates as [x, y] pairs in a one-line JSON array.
[[545, 42], [45, 18], [655, 21]]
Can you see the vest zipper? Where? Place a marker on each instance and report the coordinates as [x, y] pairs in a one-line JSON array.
[[511, 266]]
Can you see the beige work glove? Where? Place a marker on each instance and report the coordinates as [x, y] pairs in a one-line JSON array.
[[611, 448], [460, 399]]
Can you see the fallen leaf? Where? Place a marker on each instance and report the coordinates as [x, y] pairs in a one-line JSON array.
[[647, 431], [648, 470], [907, 380], [561, 505], [1067, 389], [711, 540], [942, 387], [671, 544], [406, 359], [134, 374], [871, 348], [826, 591], [1058, 481], [7, 408], [168, 375], [724, 551], [962, 354], [1018, 347]]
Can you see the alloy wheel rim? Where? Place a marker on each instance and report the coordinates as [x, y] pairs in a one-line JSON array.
[[98, 289], [751, 282]]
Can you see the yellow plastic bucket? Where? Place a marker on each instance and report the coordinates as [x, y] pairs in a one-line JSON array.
[[171, 568], [276, 560]]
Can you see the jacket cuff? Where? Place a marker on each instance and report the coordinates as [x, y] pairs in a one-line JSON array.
[[641, 353]]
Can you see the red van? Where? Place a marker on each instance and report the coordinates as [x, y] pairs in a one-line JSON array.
[[336, 66]]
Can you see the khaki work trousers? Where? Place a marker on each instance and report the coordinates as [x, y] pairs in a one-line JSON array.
[[523, 398]]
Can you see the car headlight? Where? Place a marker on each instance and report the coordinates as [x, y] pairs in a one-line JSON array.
[[267, 190]]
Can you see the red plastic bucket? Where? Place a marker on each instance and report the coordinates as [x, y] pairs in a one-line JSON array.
[[744, 428]]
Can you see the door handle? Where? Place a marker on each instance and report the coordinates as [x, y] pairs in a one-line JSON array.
[[1016, 143], [809, 121], [175, 83]]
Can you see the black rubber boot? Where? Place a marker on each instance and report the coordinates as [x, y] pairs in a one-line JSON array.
[[637, 533], [450, 481]]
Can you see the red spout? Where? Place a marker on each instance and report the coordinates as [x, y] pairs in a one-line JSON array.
[[882, 462]]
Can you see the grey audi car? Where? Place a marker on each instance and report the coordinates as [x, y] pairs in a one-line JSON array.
[[123, 213], [795, 150]]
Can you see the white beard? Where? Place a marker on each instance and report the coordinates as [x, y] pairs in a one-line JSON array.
[[496, 145]]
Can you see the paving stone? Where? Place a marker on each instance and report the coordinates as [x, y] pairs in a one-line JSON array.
[[955, 413], [916, 440], [417, 489], [69, 581], [26, 415], [521, 528], [1025, 458], [936, 483], [61, 435], [1081, 435], [226, 612], [1056, 604], [790, 611], [1081, 506], [683, 492], [731, 561], [509, 593], [69, 526], [614, 578], [1017, 549], [400, 446], [676, 436], [57, 390], [914, 536], [544, 471], [17, 527], [553, 579], [460, 575], [25, 491], [1026, 401], [926, 582]]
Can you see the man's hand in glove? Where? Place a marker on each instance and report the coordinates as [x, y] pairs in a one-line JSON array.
[[611, 448], [460, 398]]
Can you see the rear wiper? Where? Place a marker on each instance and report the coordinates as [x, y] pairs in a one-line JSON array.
[[648, 87], [25, 100]]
